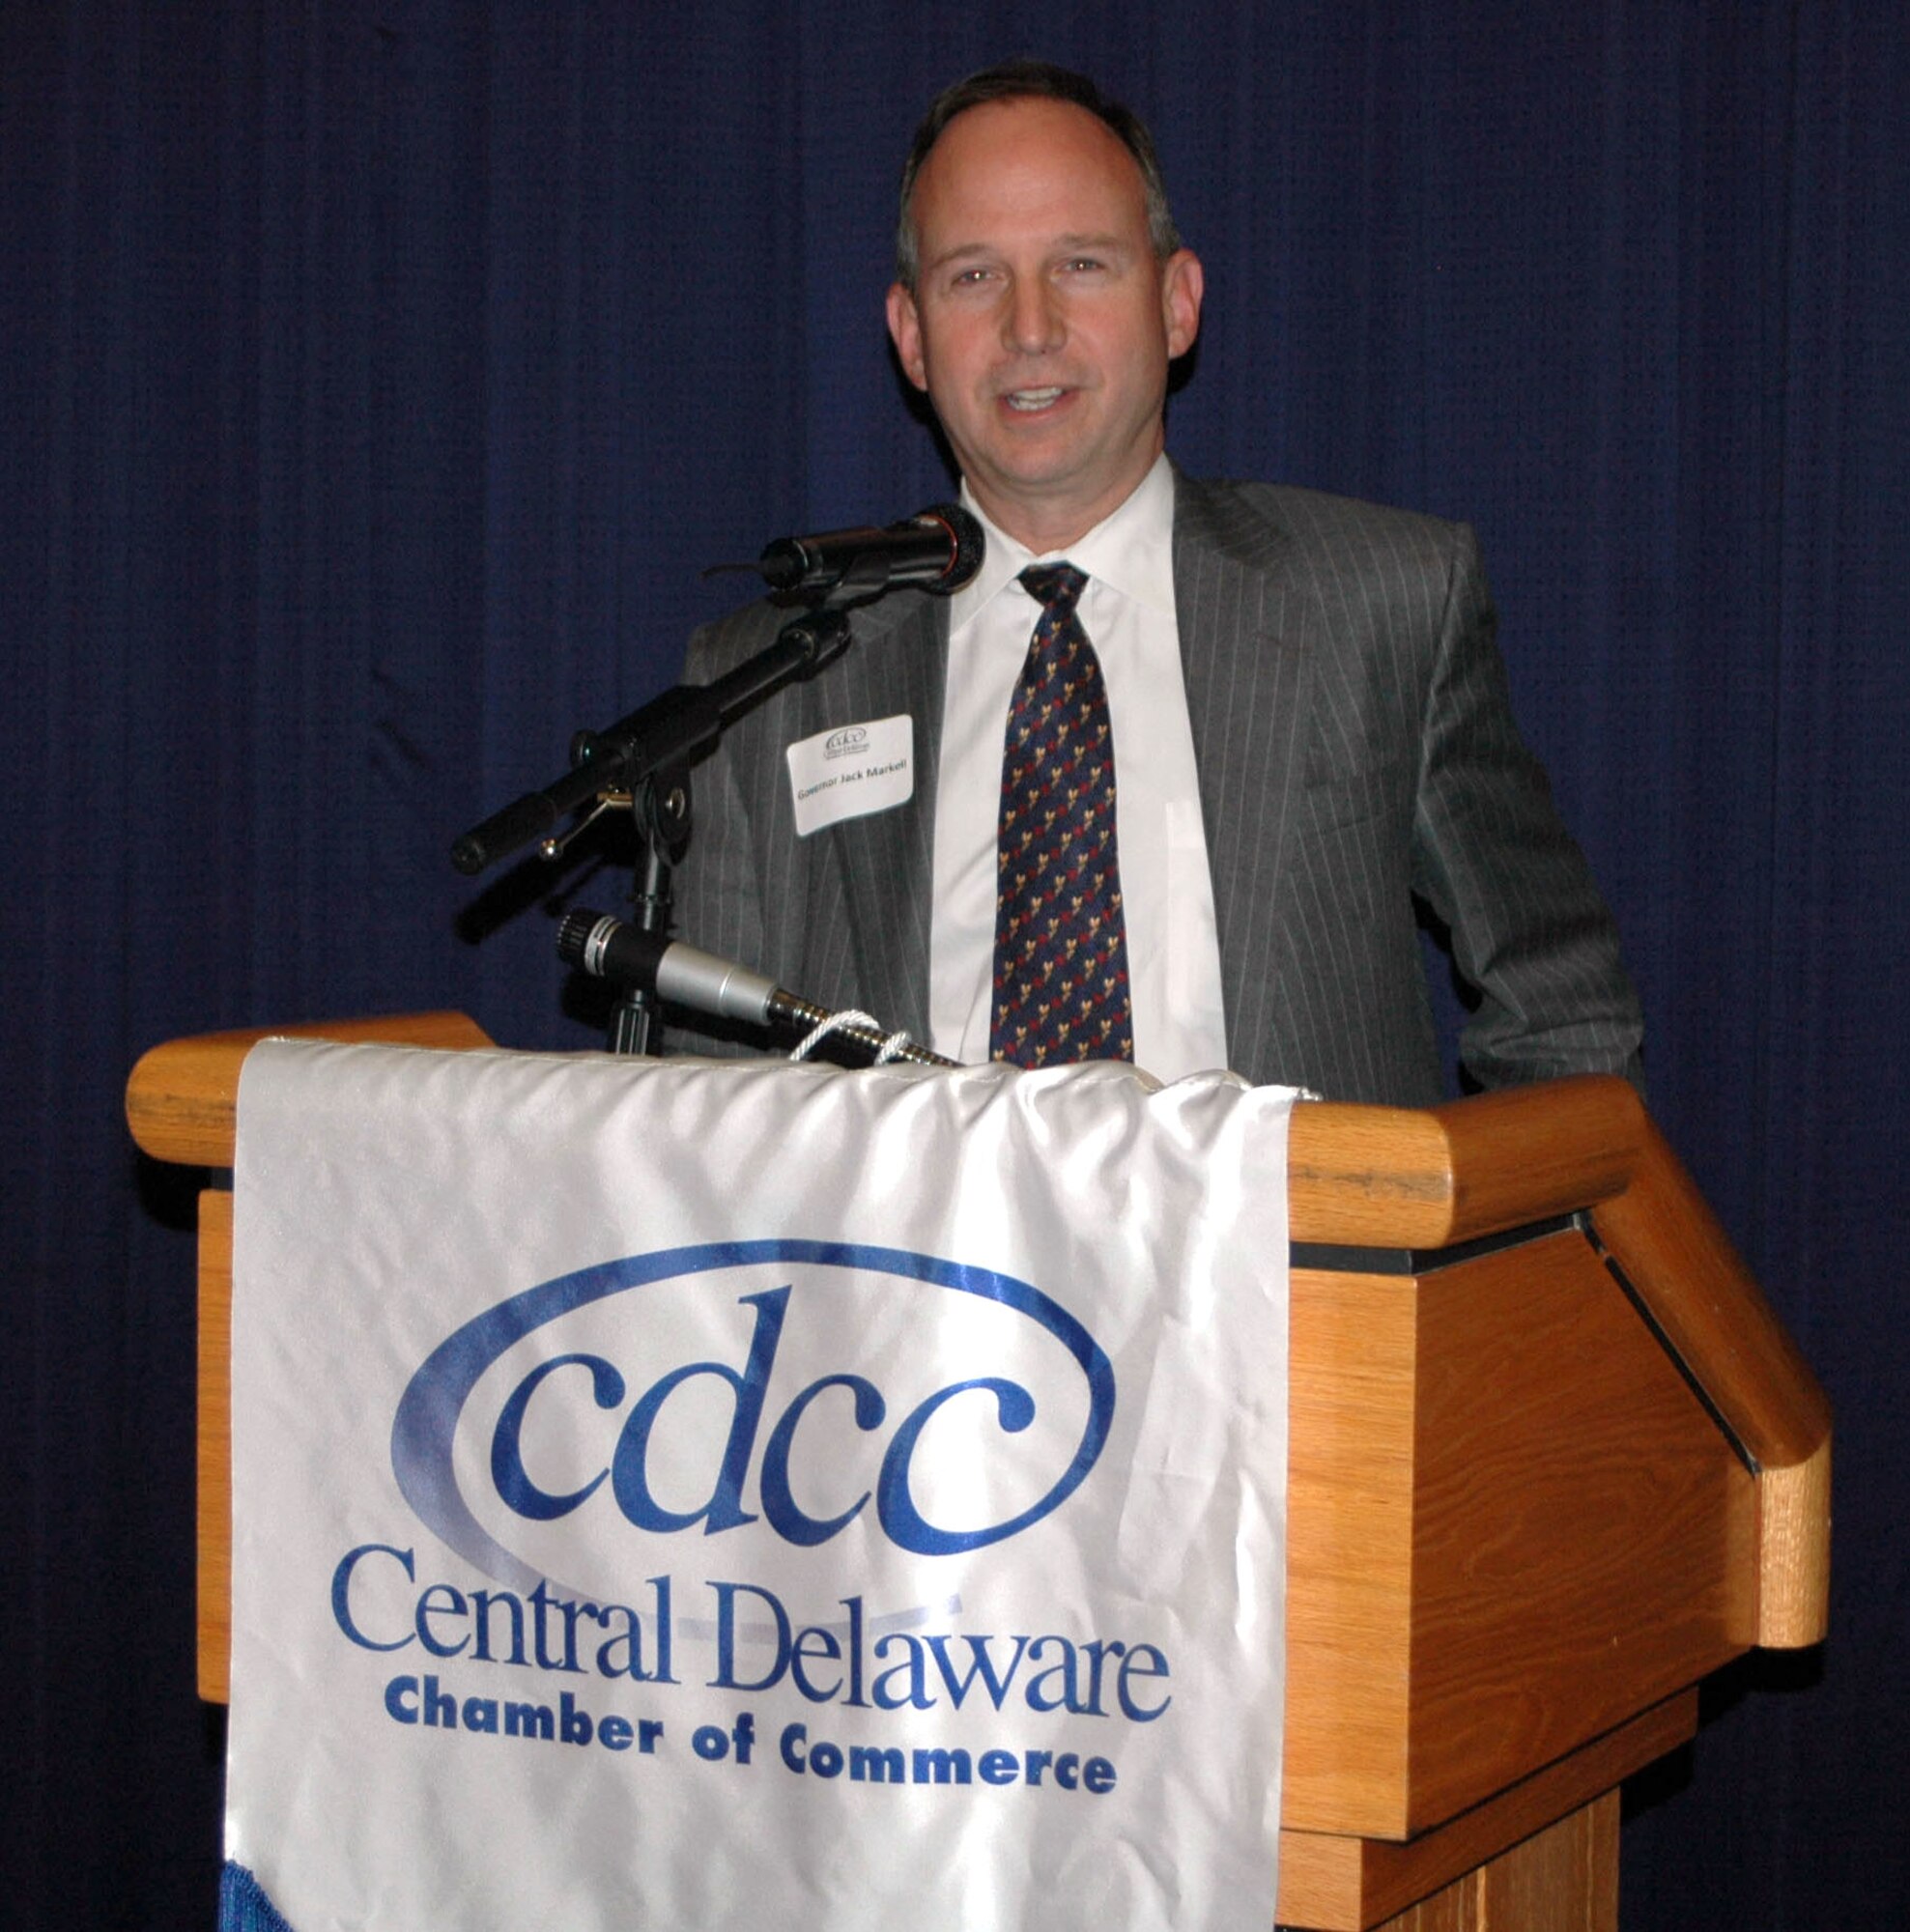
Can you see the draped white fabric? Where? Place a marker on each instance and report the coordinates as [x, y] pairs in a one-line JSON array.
[[671, 1494]]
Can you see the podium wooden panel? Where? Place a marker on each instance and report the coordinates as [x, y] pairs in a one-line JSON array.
[[1554, 1459]]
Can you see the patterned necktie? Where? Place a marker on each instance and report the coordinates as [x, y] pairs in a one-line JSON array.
[[1060, 989]]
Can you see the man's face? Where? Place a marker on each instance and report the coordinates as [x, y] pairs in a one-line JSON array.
[[1041, 324]]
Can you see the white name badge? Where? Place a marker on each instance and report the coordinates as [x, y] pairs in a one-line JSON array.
[[851, 771]]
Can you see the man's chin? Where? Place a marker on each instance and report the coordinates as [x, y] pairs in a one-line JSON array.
[[1038, 458]]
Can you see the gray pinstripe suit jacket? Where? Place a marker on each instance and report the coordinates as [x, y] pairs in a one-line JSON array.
[[1356, 750]]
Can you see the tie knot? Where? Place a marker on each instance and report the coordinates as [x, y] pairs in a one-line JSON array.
[[1056, 586]]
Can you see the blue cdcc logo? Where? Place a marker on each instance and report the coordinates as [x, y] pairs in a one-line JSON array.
[[430, 1413]]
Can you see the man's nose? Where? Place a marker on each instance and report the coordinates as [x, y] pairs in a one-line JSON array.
[[1033, 325]]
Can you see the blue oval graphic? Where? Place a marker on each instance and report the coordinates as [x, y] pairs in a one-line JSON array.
[[425, 1427]]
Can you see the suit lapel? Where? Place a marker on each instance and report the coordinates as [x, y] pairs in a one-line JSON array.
[[1248, 665], [898, 666]]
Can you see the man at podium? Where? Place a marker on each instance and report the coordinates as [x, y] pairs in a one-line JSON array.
[[1171, 777]]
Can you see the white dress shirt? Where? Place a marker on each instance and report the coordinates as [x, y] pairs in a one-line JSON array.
[[1167, 891]]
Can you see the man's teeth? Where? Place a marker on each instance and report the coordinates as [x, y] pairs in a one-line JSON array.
[[1032, 399]]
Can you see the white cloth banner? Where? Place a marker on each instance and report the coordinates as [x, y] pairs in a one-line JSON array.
[[697, 1495]]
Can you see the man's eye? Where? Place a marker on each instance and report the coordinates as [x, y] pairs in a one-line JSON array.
[[1077, 265]]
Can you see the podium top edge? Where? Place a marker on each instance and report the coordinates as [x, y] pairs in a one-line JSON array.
[[1360, 1176]]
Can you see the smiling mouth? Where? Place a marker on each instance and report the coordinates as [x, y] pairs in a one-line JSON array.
[[1027, 401]]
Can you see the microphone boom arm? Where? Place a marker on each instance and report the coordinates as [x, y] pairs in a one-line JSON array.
[[642, 761], [672, 731]]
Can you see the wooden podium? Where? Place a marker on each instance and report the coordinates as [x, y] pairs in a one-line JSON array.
[[1554, 1459]]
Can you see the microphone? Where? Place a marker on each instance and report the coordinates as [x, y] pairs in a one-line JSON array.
[[612, 948], [646, 962], [938, 549]]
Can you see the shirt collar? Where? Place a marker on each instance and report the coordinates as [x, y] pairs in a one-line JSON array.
[[1131, 550]]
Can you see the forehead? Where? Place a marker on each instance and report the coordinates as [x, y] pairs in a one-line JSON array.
[[1010, 167]]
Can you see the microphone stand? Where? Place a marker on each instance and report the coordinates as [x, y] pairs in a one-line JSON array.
[[641, 765]]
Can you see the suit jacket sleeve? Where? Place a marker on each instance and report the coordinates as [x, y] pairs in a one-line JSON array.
[[1530, 933]]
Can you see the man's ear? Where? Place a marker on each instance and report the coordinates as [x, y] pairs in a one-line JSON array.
[[1183, 283], [906, 332]]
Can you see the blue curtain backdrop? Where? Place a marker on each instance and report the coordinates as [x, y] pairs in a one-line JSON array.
[[376, 377]]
